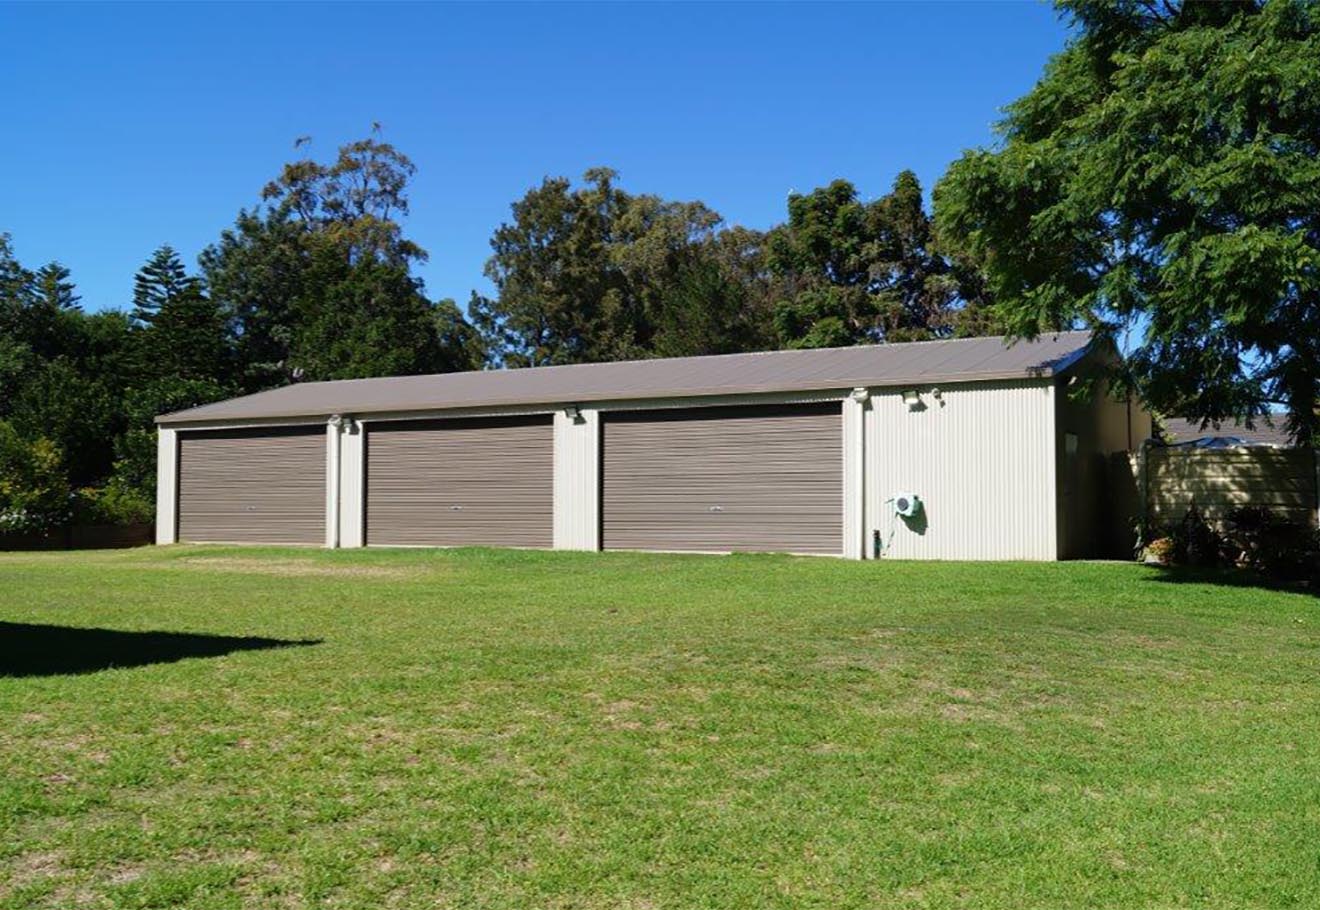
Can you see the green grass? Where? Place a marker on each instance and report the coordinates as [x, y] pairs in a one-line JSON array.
[[481, 729]]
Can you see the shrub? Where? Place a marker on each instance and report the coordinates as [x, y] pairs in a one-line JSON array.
[[114, 504], [1198, 543], [1273, 545], [34, 492], [1193, 541], [1161, 550]]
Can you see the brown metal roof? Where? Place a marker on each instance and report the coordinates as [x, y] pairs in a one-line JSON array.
[[925, 362], [1264, 431]]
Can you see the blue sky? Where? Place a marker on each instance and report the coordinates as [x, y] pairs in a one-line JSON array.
[[131, 126]]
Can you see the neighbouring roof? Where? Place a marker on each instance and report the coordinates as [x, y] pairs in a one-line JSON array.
[[925, 362], [1264, 432]]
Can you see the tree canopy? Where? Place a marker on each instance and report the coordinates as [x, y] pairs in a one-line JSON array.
[[584, 273], [1162, 180], [592, 272], [317, 281], [854, 272]]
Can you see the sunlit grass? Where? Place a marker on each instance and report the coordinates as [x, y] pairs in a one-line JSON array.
[[515, 729]]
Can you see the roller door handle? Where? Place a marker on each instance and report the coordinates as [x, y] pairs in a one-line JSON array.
[[716, 508], [456, 508]]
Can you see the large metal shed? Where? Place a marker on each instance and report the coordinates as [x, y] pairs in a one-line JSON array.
[[792, 451]]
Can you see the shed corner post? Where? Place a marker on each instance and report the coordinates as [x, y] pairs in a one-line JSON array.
[[576, 482], [167, 485], [352, 484], [333, 431], [854, 473]]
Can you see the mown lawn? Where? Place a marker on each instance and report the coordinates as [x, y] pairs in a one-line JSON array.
[[480, 729]]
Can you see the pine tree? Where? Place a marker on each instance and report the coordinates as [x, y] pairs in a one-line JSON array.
[[162, 280], [181, 332], [52, 287]]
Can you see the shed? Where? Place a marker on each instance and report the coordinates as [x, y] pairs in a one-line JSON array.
[[802, 451]]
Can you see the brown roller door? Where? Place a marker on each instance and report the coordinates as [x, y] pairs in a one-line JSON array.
[[453, 483], [754, 478], [252, 486]]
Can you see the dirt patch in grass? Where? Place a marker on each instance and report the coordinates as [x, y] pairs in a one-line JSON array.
[[28, 868], [293, 568]]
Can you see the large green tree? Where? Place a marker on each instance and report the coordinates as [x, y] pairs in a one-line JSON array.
[[718, 302], [590, 273], [856, 272], [1161, 182], [318, 280], [180, 332], [61, 370]]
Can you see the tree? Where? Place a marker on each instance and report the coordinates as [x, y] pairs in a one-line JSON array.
[[317, 281], [853, 272], [255, 272], [79, 412], [53, 289], [34, 495], [179, 331], [162, 281], [368, 318], [461, 345], [61, 370], [16, 353], [135, 450], [1163, 179], [583, 273], [710, 307]]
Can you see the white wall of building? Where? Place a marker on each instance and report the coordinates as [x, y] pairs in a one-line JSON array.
[[854, 475], [167, 486], [352, 485], [981, 458], [577, 480]]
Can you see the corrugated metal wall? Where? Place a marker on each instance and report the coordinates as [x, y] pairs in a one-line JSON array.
[[253, 486], [352, 477], [478, 482], [716, 479], [577, 481], [982, 461]]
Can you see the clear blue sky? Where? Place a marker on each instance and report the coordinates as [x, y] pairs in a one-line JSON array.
[[126, 127]]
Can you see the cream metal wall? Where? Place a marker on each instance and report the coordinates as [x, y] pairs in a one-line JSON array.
[[981, 457], [167, 486], [577, 479], [352, 485], [854, 474]]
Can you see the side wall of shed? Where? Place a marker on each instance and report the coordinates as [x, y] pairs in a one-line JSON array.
[[980, 456], [1095, 515]]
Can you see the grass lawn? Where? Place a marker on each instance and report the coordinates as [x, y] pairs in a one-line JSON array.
[[481, 729]]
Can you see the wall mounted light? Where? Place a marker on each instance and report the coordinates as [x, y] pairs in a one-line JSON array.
[[911, 398], [573, 413], [860, 394]]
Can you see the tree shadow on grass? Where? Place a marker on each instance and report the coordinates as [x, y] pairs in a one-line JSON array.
[[36, 650], [1230, 578]]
